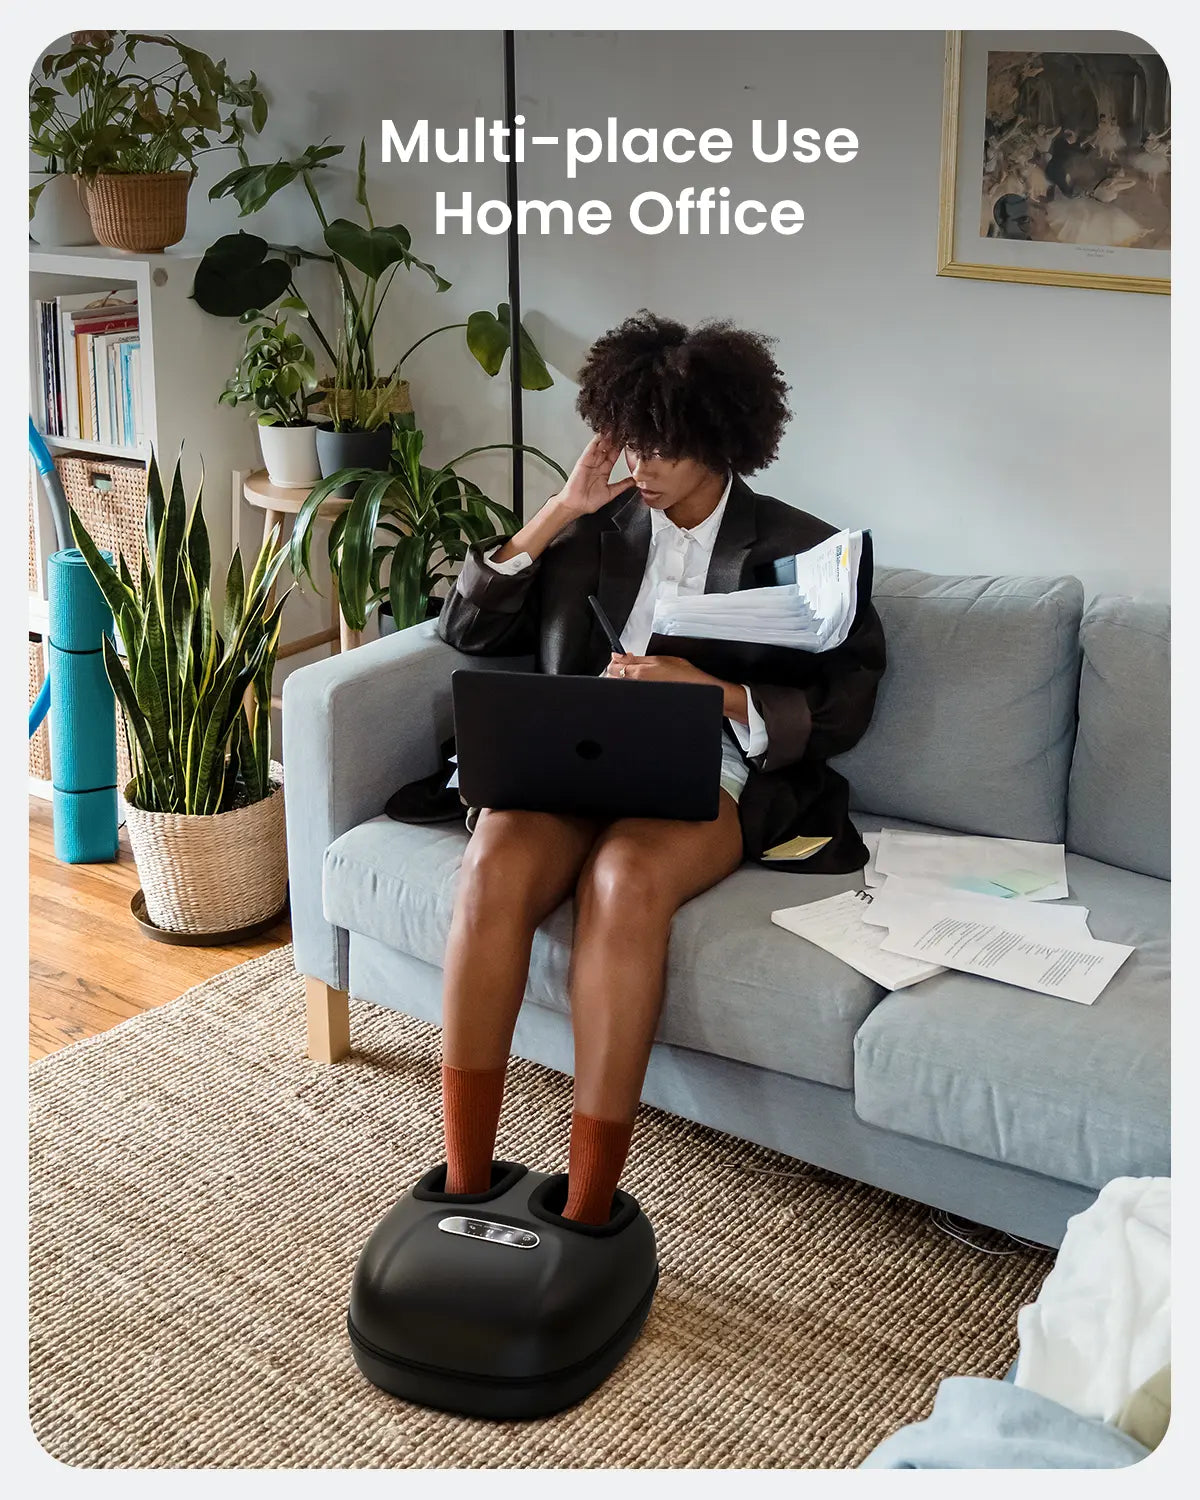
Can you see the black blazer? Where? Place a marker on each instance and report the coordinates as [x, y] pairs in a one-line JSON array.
[[814, 705]]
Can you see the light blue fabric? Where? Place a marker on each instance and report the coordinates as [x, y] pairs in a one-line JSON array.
[[737, 984], [810, 1121], [991, 1424], [1119, 806], [1079, 1092], [358, 726], [975, 717]]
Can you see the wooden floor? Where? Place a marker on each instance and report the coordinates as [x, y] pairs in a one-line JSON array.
[[90, 965]]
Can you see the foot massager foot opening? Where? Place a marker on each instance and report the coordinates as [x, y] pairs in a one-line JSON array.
[[495, 1305]]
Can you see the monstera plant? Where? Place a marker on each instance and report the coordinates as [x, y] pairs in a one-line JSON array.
[[242, 271]]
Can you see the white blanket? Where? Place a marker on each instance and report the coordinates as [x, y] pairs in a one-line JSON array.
[[1101, 1322]]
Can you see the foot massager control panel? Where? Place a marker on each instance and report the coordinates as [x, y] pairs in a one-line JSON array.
[[486, 1229]]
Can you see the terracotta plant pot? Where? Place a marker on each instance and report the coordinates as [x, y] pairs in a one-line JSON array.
[[212, 874], [139, 211]]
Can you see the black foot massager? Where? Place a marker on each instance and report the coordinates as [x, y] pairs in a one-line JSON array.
[[494, 1305]]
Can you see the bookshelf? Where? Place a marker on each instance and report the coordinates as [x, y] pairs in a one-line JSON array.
[[186, 356]]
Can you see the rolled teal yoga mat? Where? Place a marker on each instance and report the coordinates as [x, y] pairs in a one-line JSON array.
[[83, 717]]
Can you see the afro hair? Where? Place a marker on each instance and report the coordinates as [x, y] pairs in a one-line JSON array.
[[712, 393]]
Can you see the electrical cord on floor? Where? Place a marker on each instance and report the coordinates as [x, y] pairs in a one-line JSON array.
[[968, 1233], [965, 1231]]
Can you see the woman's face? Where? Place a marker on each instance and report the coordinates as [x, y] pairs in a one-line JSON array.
[[664, 481]]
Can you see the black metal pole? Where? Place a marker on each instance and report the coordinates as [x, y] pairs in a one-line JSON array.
[[517, 422]]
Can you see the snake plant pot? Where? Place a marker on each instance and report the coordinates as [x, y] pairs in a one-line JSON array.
[[352, 450], [290, 454], [212, 874], [139, 211], [60, 216]]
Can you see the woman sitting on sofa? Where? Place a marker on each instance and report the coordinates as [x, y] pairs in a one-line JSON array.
[[693, 412]]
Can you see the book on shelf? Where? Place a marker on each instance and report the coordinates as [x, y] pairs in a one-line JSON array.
[[90, 369]]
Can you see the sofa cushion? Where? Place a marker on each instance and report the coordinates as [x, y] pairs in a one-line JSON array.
[[975, 717], [1078, 1092], [738, 986], [1119, 802]]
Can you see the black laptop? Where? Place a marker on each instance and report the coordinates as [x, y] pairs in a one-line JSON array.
[[557, 743]]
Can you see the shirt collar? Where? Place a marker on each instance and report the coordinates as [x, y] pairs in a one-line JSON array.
[[704, 534]]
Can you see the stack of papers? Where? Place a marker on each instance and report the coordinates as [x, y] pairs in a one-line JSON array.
[[937, 902], [813, 614]]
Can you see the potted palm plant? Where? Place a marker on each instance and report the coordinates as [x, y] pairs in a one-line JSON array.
[[428, 516], [204, 807], [276, 375], [131, 131]]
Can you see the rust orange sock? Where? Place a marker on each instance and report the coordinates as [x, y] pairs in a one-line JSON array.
[[598, 1152], [471, 1099]]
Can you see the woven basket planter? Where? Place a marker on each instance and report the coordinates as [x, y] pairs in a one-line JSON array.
[[140, 211], [327, 398], [212, 874]]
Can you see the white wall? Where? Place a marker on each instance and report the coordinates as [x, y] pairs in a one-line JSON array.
[[975, 426]]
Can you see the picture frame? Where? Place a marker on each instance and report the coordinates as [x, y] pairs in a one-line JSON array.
[[1049, 244]]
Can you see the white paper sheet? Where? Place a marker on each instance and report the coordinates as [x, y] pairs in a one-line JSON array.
[[836, 924], [906, 899], [951, 933], [871, 876], [1025, 870]]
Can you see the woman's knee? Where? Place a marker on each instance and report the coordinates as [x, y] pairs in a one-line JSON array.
[[621, 882], [500, 865]]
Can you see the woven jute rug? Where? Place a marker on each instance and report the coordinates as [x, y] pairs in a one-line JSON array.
[[200, 1191]]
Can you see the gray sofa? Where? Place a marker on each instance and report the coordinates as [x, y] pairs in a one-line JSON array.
[[1006, 709]]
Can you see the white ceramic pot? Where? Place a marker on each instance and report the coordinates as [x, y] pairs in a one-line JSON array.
[[60, 216], [290, 454]]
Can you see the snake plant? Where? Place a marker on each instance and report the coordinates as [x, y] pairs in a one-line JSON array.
[[429, 516], [195, 695]]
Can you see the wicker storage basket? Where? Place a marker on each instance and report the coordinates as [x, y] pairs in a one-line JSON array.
[[110, 496], [212, 874], [39, 745], [140, 211]]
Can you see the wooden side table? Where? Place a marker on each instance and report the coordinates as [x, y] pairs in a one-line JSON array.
[[276, 504]]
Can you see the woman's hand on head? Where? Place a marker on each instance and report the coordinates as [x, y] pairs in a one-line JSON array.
[[588, 487]]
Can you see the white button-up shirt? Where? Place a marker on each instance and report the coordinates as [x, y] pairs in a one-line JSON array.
[[677, 563]]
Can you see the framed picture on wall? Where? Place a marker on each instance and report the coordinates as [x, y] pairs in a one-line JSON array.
[[1056, 161]]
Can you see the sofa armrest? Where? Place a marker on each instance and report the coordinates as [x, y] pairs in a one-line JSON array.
[[357, 726]]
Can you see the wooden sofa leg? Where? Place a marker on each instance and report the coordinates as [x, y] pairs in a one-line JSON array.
[[328, 1021]]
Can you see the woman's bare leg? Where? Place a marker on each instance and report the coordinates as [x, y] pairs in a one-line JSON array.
[[518, 867], [638, 874]]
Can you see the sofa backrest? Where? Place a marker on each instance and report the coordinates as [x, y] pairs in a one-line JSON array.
[[1119, 803], [975, 718]]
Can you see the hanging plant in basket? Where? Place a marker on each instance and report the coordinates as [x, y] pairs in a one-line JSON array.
[[128, 114], [205, 803]]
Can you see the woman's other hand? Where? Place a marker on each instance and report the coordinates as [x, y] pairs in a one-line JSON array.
[[676, 669], [588, 486]]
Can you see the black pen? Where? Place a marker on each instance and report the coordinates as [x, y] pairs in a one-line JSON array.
[[614, 640]]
